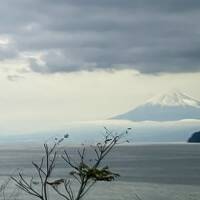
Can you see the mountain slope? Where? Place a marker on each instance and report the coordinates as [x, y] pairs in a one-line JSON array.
[[167, 107]]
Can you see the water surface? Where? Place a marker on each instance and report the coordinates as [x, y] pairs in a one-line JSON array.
[[149, 171]]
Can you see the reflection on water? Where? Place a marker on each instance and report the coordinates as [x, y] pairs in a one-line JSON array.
[[151, 171]]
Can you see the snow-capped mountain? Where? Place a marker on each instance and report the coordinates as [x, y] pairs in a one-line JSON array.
[[174, 99], [166, 107]]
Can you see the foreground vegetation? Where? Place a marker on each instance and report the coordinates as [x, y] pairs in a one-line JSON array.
[[84, 173]]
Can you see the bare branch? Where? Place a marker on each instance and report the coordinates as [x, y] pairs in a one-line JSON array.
[[85, 174]]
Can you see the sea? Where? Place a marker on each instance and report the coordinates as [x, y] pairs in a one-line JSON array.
[[147, 171]]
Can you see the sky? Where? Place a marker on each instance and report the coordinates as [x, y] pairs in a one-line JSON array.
[[66, 60]]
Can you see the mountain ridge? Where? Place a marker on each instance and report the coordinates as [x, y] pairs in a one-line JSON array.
[[174, 99], [166, 107]]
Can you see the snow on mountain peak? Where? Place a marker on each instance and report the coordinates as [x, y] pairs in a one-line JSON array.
[[174, 98]]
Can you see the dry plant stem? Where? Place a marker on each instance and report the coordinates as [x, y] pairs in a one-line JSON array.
[[5, 185], [85, 180], [137, 196], [85, 174], [44, 171]]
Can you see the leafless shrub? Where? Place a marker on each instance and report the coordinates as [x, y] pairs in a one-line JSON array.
[[84, 173]]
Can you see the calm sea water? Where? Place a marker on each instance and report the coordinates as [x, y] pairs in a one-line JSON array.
[[150, 171]]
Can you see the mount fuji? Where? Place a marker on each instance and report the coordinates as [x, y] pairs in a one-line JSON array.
[[171, 106]]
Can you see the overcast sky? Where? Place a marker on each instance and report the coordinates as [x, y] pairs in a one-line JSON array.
[[69, 60]]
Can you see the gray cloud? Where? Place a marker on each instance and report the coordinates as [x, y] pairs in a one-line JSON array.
[[7, 52], [151, 36]]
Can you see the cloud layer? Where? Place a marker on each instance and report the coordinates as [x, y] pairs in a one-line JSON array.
[[150, 36]]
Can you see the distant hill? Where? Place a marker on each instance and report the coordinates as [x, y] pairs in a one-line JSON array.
[[166, 107], [195, 138]]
